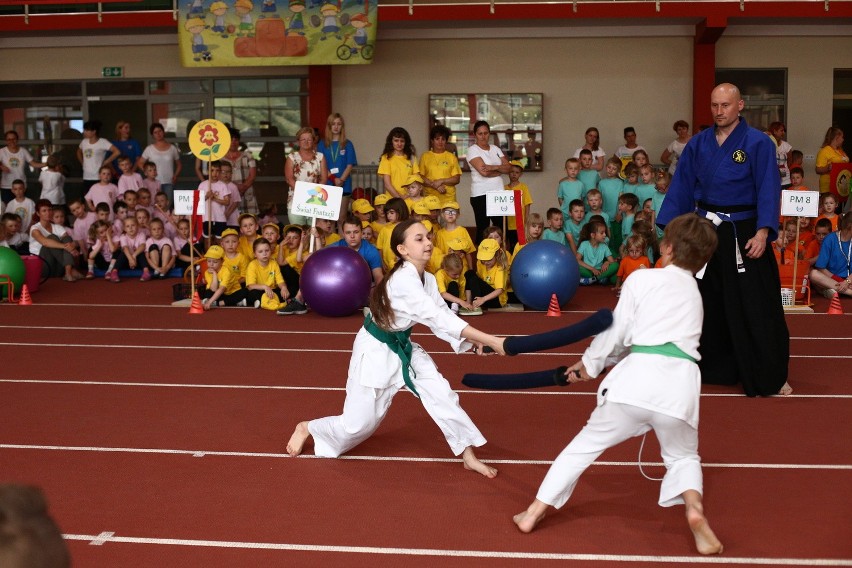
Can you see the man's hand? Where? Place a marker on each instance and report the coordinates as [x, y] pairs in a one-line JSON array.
[[757, 244]]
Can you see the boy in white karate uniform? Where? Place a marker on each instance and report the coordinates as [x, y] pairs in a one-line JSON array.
[[656, 386]]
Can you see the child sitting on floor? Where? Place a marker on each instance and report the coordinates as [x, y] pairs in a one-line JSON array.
[[220, 283], [596, 261]]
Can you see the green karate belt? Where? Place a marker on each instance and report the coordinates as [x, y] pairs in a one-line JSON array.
[[667, 349], [400, 343]]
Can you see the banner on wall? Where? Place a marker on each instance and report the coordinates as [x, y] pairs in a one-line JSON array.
[[231, 33]]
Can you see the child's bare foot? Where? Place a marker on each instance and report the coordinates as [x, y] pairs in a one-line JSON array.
[[786, 390], [472, 463], [528, 520], [297, 440], [705, 539]]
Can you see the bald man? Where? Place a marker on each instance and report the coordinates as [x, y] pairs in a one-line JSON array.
[[729, 175]]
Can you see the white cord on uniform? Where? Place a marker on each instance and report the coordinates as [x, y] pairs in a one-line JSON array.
[[639, 459]]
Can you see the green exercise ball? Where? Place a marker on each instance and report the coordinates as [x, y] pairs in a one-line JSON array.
[[12, 266]]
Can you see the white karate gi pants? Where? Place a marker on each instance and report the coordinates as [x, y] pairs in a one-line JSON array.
[[610, 424], [365, 408]]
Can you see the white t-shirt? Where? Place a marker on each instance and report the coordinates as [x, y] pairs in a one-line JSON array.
[[165, 161], [24, 209], [35, 246], [52, 187], [599, 153], [94, 156], [492, 157], [624, 152], [781, 152], [16, 163], [675, 149]]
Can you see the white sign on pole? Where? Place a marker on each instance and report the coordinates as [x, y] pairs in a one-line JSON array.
[[183, 202], [500, 203], [317, 201], [796, 203]]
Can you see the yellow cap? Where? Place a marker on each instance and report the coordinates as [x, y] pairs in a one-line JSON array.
[[229, 232], [287, 228], [420, 208], [381, 199], [411, 179], [451, 205], [456, 244], [487, 249], [365, 224], [432, 202], [516, 163], [215, 252], [272, 225], [428, 224], [362, 206]]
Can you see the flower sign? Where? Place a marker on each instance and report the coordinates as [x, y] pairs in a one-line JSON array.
[[209, 140]]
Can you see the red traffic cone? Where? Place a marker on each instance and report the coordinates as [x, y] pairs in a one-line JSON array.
[[834, 308], [196, 307], [26, 299], [553, 309]]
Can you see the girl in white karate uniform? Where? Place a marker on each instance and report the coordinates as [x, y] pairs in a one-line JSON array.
[[656, 386], [384, 359]]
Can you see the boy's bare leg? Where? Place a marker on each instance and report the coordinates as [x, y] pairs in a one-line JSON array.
[[472, 463], [705, 539], [786, 390], [527, 520], [297, 440]]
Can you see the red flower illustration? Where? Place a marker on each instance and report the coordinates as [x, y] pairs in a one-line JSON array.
[[209, 135]]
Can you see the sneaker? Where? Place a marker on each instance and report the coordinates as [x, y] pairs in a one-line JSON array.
[[113, 276], [294, 307], [603, 281], [243, 302], [257, 304], [108, 275], [473, 312], [90, 275], [588, 281], [146, 275]]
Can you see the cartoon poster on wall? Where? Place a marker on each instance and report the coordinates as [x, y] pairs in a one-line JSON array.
[[230, 33]]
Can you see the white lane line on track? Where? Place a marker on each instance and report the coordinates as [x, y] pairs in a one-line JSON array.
[[460, 553], [278, 331], [296, 350], [342, 389], [408, 459]]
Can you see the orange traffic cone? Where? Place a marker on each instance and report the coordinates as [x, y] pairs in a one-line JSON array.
[[553, 309], [196, 307], [834, 308], [26, 299]]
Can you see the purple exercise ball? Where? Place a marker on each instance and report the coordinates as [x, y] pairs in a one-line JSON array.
[[336, 281]]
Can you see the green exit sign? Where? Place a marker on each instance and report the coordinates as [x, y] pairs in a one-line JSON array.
[[113, 72]]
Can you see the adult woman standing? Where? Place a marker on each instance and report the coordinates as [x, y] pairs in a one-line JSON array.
[[593, 138], [487, 165], [53, 243], [166, 157], [305, 164], [440, 168], [673, 151], [398, 162], [126, 145], [830, 153], [13, 160], [244, 169], [340, 158]]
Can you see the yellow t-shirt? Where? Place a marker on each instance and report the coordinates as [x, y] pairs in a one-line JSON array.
[[526, 199], [226, 280], [331, 239], [440, 166], [399, 168], [245, 247], [383, 244], [443, 279], [443, 236], [495, 277], [295, 264], [434, 264], [269, 275], [237, 265]]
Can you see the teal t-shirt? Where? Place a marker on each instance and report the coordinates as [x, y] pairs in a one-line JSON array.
[[594, 256], [569, 191], [555, 236], [610, 189], [589, 179]]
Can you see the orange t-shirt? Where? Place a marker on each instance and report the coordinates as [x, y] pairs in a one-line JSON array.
[[833, 220], [629, 265]]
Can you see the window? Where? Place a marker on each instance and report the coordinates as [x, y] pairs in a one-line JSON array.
[[764, 92]]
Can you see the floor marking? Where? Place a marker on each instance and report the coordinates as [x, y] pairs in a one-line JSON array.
[[473, 553], [531, 392], [205, 453], [102, 538], [301, 350]]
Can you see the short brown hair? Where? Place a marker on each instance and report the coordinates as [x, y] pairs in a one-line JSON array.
[[693, 241]]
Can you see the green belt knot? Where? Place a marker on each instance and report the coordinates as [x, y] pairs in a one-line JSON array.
[[400, 343]]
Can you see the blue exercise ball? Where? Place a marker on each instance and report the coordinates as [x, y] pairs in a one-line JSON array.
[[544, 268], [12, 266], [336, 281]]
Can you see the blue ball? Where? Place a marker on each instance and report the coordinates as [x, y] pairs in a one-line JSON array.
[[544, 268], [336, 281]]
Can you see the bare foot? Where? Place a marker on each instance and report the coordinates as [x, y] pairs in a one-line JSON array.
[[786, 390], [528, 520], [472, 463], [297, 440], [705, 539]]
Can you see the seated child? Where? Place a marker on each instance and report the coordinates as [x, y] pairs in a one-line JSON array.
[[533, 229], [451, 284], [831, 269], [16, 239], [248, 234], [234, 260], [488, 283], [159, 250], [264, 280], [132, 256], [821, 231], [596, 261], [104, 251], [292, 254], [220, 285], [635, 260]]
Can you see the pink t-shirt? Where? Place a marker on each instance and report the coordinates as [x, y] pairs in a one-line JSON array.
[[125, 182], [151, 185], [102, 193], [80, 229], [233, 218], [217, 210], [132, 242], [161, 242]]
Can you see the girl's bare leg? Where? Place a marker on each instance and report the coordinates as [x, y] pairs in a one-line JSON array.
[[298, 439], [705, 539], [472, 463], [527, 520]]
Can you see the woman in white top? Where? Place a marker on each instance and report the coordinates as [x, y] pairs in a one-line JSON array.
[[166, 157], [487, 166], [305, 164], [13, 160], [53, 244], [593, 141], [675, 149]]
